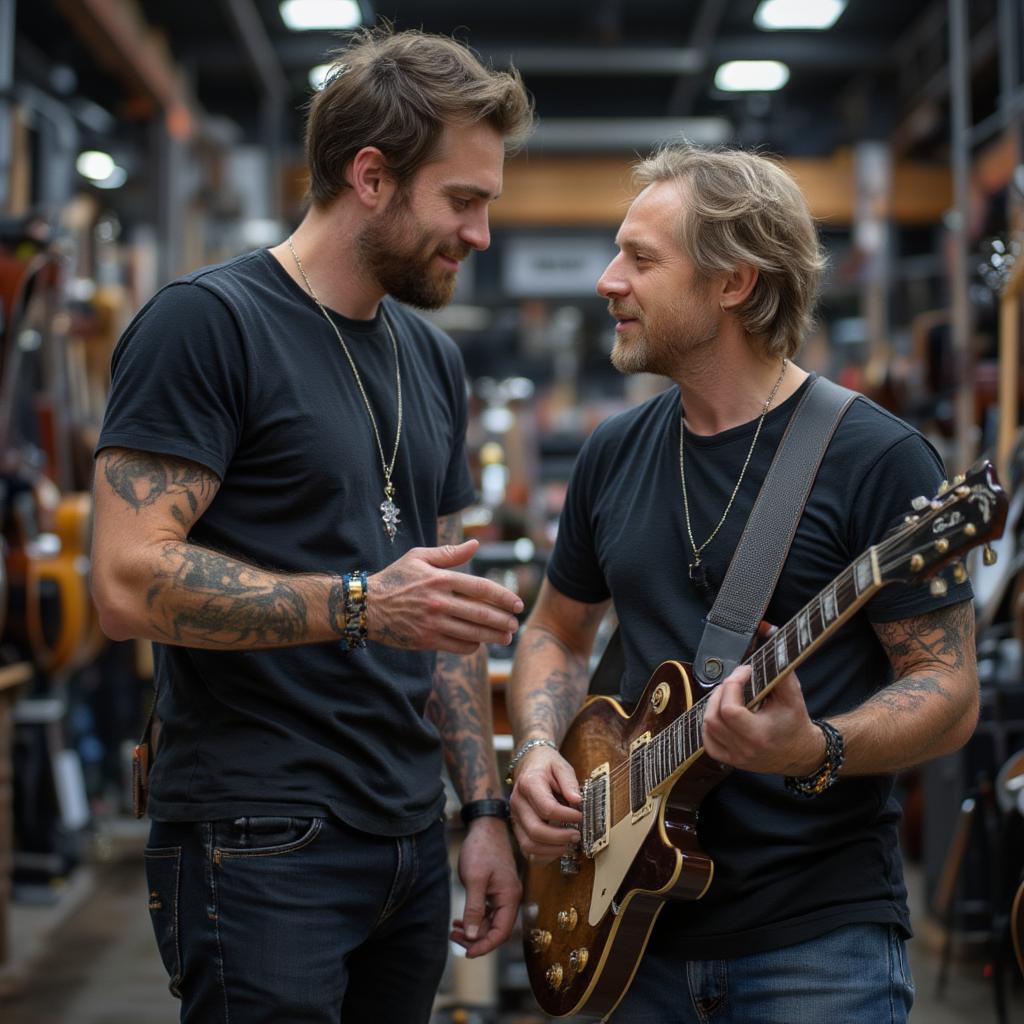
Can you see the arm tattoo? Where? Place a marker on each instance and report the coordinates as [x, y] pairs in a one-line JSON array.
[[142, 478], [457, 708], [927, 653], [227, 602], [939, 639], [554, 700], [459, 704]]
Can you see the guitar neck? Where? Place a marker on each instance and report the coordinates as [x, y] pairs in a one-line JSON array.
[[790, 645]]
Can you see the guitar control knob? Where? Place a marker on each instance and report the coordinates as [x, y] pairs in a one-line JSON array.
[[567, 919], [553, 975], [959, 572], [578, 959], [939, 588], [989, 556], [539, 940]]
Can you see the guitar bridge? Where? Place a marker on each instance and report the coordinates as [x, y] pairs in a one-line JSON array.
[[596, 811]]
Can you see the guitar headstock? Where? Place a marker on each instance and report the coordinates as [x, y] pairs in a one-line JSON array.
[[939, 531]]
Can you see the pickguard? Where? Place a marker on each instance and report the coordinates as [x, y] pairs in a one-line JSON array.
[[612, 864]]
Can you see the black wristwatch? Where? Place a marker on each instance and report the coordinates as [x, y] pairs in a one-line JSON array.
[[484, 809]]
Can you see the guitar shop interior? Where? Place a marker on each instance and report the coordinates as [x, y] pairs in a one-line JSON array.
[[141, 139]]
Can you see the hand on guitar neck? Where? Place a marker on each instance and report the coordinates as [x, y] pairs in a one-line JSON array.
[[776, 736], [545, 805]]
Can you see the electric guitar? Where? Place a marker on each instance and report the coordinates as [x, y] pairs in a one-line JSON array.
[[587, 917]]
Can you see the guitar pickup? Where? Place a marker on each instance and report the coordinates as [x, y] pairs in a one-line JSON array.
[[596, 811]]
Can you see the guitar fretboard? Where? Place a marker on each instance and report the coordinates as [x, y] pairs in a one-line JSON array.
[[653, 763]]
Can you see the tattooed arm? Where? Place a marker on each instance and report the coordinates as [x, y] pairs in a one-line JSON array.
[[548, 685], [149, 581], [930, 708], [460, 707]]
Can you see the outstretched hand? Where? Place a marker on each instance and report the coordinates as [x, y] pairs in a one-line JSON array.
[[420, 602]]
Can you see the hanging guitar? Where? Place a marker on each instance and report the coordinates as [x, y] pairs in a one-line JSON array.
[[587, 917]]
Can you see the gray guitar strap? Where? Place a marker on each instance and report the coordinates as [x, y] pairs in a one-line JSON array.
[[755, 567]]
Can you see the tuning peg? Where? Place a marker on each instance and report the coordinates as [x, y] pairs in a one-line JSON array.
[[963, 491], [939, 587], [959, 572], [989, 556], [920, 503], [943, 487], [959, 479]]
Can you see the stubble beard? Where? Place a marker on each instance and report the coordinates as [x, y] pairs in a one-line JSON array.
[[395, 249], [654, 348]]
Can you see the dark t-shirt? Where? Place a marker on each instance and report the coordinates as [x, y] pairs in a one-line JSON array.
[[786, 868], [235, 367]]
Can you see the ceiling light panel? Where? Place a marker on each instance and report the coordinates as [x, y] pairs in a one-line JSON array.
[[751, 76], [313, 15], [778, 15]]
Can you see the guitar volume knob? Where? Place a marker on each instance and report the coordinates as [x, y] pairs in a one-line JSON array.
[[578, 959], [567, 919], [539, 940], [554, 975]]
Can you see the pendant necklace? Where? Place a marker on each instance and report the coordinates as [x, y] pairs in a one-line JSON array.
[[389, 511], [697, 570]]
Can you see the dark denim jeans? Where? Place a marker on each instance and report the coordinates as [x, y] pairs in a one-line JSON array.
[[857, 974], [298, 920]]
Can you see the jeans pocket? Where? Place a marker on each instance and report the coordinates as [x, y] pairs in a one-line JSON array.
[[163, 876], [263, 836]]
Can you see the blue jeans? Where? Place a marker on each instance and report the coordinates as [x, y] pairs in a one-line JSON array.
[[298, 920], [857, 974]]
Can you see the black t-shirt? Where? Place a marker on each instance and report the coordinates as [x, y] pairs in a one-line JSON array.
[[235, 367], [786, 868]]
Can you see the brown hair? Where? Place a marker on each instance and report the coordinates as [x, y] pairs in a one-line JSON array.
[[398, 91], [744, 208]]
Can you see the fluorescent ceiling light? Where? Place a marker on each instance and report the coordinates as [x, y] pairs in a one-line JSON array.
[[796, 14], [751, 76], [94, 165], [318, 76], [306, 15]]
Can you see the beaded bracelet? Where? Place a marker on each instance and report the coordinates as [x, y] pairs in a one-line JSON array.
[[826, 774], [354, 587]]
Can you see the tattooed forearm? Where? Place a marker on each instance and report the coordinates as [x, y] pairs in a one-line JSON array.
[[546, 706], [459, 706], [909, 694], [203, 598], [141, 479]]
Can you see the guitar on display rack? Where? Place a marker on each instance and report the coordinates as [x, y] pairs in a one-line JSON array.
[[587, 916]]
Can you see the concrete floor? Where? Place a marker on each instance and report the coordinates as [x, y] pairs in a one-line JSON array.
[[89, 958]]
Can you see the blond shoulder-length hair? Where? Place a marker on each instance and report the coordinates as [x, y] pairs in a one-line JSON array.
[[743, 208]]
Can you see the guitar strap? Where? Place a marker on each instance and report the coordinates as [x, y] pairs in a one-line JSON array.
[[755, 567]]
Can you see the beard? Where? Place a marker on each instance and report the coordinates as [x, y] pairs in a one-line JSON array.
[[658, 344], [396, 249]]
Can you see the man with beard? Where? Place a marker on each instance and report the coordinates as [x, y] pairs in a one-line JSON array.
[[805, 917], [280, 477]]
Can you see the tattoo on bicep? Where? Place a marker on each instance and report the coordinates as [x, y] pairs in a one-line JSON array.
[[943, 638], [142, 478], [230, 601]]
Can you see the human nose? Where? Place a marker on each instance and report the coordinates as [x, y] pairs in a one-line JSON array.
[[476, 232], [612, 282]]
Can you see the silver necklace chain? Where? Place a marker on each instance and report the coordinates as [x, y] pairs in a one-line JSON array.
[[697, 571], [389, 510]]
